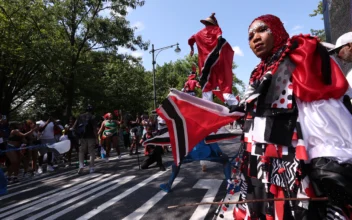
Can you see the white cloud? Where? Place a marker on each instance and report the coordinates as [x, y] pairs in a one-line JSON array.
[[136, 53], [238, 51], [297, 27], [139, 26], [129, 10]]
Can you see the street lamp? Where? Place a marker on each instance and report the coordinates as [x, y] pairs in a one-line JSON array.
[[177, 50]]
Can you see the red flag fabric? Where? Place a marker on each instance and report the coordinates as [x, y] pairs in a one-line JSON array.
[[190, 119], [215, 57], [219, 94]]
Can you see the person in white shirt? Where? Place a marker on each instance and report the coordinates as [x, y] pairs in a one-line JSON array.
[[47, 137]]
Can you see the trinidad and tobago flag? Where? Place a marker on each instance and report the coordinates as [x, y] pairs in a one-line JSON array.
[[190, 119]]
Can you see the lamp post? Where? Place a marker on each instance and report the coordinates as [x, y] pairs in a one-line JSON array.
[[177, 50]]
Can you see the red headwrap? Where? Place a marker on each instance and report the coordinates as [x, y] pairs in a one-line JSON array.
[[106, 116], [280, 39], [277, 28]]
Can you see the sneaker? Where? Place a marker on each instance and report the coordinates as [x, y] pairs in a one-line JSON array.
[[119, 157], [50, 168], [91, 170], [40, 170], [162, 168], [106, 159], [80, 170], [204, 168]]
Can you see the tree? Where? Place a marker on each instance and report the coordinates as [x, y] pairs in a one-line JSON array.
[[67, 32], [22, 72], [174, 75], [318, 12]]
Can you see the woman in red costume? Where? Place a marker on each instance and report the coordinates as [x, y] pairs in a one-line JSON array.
[[297, 132]]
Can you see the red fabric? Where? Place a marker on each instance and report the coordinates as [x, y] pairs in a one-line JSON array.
[[271, 151], [280, 38], [279, 205], [218, 94], [190, 85], [221, 73], [193, 111], [301, 153], [239, 214], [307, 80], [277, 29]]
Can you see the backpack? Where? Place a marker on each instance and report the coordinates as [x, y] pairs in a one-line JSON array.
[[83, 124]]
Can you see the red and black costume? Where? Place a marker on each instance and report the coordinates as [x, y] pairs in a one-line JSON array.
[[191, 84], [215, 58], [297, 132]]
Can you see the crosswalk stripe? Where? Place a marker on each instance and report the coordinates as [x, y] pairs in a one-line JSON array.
[[20, 205], [119, 197], [80, 196], [36, 187], [212, 185], [141, 211], [58, 197], [120, 181], [49, 177]]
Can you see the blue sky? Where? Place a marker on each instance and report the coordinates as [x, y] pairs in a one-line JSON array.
[[166, 22]]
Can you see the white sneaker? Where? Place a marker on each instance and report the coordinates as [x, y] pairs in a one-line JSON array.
[[50, 168], [91, 170], [40, 170]]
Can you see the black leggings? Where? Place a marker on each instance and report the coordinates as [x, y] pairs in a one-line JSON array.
[[155, 156]]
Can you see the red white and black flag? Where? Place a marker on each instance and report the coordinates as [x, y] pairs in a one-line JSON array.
[[190, 119]]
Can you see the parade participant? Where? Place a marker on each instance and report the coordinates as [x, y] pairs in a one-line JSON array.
[[191, 84], [153, 153], [109, 133], [215, 58], [297, 132]]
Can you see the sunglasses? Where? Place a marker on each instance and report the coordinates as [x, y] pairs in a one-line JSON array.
[[337, 50]]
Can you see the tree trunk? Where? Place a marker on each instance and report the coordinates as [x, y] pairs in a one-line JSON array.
[[70, 94]]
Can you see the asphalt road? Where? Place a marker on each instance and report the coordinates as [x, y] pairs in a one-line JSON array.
[[118, 190]]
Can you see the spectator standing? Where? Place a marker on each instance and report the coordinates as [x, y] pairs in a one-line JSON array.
[[87, 132]]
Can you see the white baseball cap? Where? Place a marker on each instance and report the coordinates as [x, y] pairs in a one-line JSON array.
[[342, 41]]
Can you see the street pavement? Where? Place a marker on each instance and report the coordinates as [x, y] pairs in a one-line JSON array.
[[119, 190]]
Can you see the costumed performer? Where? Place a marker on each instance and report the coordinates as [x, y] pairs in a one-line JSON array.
[[109, 133], [297, 132], [192, 83], [215, 58]]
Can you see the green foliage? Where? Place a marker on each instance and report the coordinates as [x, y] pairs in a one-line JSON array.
[[318, 12], [53, 52]]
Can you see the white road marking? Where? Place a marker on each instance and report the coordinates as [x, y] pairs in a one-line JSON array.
[[141, 211], [40, 198], [60, 196], [29, 189], [213, 186], [50, 177], [120, 182], [119, 197]]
